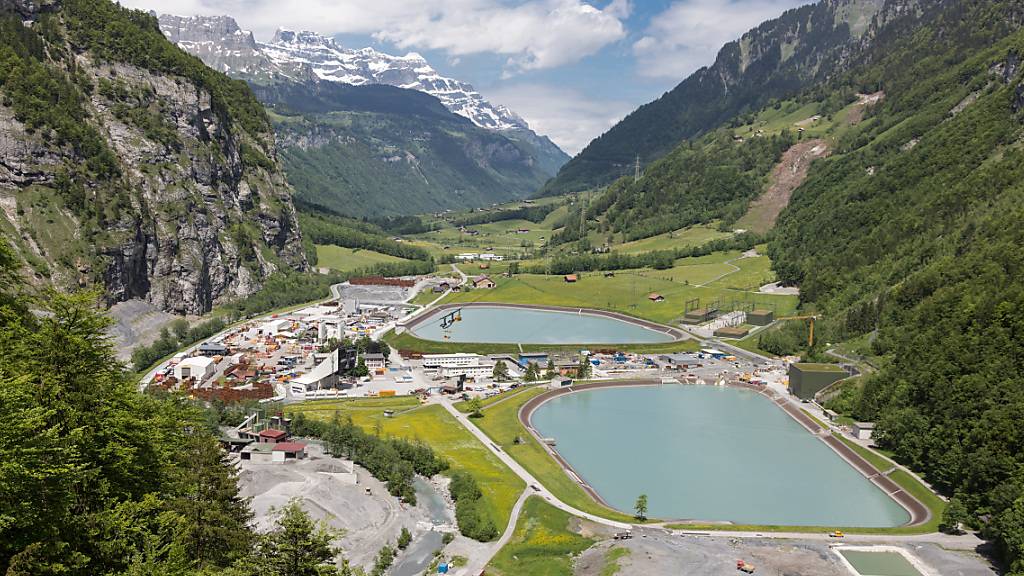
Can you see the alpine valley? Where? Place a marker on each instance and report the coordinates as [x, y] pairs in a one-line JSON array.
[[287, 308], [357, 133]]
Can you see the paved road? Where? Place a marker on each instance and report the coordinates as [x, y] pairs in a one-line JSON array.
[[962, 542], [477, 564], [523, 473], [462, 274]]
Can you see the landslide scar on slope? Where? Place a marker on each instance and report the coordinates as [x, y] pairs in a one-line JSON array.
[[787, 175]]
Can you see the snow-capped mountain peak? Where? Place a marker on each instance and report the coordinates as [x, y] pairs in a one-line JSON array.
[[301, 56], [332, 62]]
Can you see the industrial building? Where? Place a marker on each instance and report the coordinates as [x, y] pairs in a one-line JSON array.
[[700, 315], [538, 358], [275, 327], [198, 367], [677, 361], [272, 436], [266, 453], [434, 361], [760, 317], [375, 361], [731, 332], [482, 370], [213, 348], [863, 430], [807, 379]]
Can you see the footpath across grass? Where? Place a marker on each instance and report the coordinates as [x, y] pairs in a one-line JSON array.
[[542, 545], [435, 427], [501, 423], [464, 406]]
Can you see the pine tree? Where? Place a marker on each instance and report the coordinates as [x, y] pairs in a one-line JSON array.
[[298, 546], [531, 373], [641, 507], [500, 372], [212, 531], [404, 538], [550, 372]]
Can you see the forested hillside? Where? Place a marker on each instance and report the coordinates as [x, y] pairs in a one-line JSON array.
[[912, 235], [372, 149], [710, 178], [379, 150], [97, 478], [775, 60], [130, 166]]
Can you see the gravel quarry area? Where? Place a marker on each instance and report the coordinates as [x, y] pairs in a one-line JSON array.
[[659, 553], [369, 520], [373, 294], [135, 323]]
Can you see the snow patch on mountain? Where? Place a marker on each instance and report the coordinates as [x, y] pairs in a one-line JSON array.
[[330, 61], [301, 56]]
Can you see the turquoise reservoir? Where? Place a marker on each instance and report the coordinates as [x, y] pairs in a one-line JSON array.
[[529, 326], [711, 454]]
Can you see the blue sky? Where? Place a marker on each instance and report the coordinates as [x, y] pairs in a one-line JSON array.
[[571, 68]]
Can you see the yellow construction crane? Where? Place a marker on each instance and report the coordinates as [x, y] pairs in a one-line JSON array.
[[810, 319]]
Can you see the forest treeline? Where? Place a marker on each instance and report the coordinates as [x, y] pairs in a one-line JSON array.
[[344, 232], [100, 479], [910, 239], [534, 214], [657, 259], [711, 178]]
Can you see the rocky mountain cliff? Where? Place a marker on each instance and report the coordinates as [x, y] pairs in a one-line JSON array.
[[329, 61], [127, 164], [429, 142], [379, 150], [773, 61], [224, 46]]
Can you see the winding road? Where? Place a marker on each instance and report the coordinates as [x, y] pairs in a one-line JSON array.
[[968, 541]]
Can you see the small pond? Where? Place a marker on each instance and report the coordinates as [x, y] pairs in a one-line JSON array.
[[884, 563]]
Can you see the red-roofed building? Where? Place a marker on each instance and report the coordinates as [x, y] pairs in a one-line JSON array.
[[273, 436], [290, 447], [288, 451]]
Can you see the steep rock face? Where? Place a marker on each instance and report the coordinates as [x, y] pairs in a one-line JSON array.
[[330, 61], [368, 134], [775, 60], [373, 150], [195, 212], [302, 56]]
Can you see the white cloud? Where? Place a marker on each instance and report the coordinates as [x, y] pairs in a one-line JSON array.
[[569, 117], [689, 33], [532, 34]]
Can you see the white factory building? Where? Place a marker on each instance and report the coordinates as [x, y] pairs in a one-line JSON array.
[[475, 371], [198, 367], [273, 327], [459, 359]]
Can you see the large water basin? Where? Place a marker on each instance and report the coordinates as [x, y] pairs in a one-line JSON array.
[[506, 325], [709, 453]]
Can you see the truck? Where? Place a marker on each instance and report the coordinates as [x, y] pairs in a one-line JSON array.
[[744, 566], [385, 393]]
